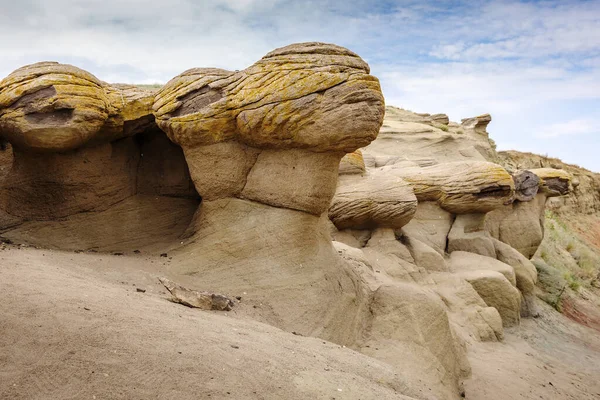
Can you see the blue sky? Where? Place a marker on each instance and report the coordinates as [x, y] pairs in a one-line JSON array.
[[533, 65]]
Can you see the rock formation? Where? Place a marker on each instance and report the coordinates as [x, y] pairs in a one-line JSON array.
[[61, 121], [81, 147], [450, 242], [242, 179], [521, 223], [583, 199]]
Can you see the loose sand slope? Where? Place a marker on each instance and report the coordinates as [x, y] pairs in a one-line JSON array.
[[75, 327]]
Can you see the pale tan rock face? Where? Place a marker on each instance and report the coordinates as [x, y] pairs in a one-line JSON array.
[[52, 107], [467, 308], [519, 225], [427, 140], [430, 225], [525, 273], [497, 292], [468, 234], [461, 261], [425, 256], [297, 179], [411, 329]]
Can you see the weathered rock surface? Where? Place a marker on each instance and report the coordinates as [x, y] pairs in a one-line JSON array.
[[497, 292], [423, 255], [553, 182], [466, 261], [521, 224], [288, 119], [459, 187], [430, 225], [352, 163], [72, 150], [525, 274], [585, 196], [54, 107], [468, 234], [197, 299], [56, 185], [393, 257], [410, 327], [468, 209], [376, 200], [310, 96], [407, 136], [467, 309], [527, 185]]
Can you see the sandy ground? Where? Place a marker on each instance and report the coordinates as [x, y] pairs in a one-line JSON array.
[[74, 326], [550, 357]]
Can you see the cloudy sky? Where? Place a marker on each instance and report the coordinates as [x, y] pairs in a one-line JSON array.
[[533, 65]]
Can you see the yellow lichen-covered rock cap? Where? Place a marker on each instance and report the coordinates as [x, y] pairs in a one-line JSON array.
[[460, 187], [313, 96], [554, 182], [368, 202], [55, 107]]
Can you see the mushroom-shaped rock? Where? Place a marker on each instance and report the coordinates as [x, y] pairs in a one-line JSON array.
[[263, 146], [274, 132], [526, 185], [521, 224], [54, 107], [460, 187], [60, 121], [554, 182], [372, 201]]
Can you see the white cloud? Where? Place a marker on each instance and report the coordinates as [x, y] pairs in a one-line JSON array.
[[467, 89], [522, 30], [573, 127]]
